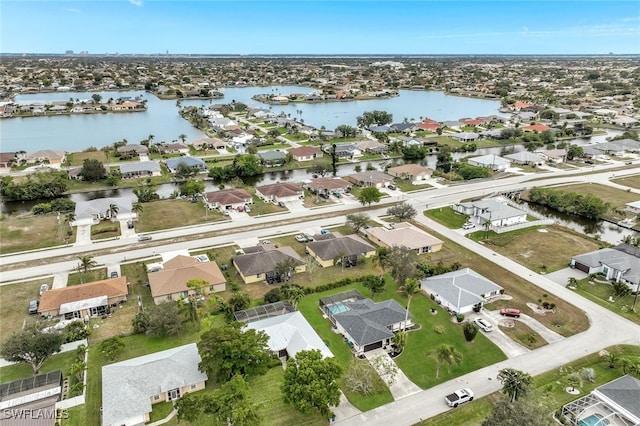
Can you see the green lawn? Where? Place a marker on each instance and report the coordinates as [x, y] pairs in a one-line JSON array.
[[82, 278], [406, 186], [447, 216], [15, 313], [20, 371], [105, 229], [260, 207], [30, 232], [166, 214], [600, 294], [549, 388]]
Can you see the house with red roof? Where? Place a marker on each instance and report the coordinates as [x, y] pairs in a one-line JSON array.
[[536, 128], [305, 153], [227, 199]]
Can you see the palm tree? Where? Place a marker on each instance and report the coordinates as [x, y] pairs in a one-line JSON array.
[[137, 209], [113, 210], [515, 383], [572, 282], [449, 354], [410, 288], [86, 263], [182, 137]]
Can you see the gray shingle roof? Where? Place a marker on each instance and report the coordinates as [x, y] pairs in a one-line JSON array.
[[344, 245], [460, 288], [625, 392], [367, 322], [151, 166], [614, 258], [264, 261], [127, 386]]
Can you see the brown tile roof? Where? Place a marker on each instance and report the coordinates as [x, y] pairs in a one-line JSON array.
[[304, 151], [410, 169], [228, 196], [403, 234], [177, 271], [327, 184], [282, 189], [113, 287]]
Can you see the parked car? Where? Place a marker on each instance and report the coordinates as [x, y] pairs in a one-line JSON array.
[[392, 187], [483, 324], [301, 238], [337, 194], [247, 209], [114, 274], [33, 306], [130, 224], [325, 231], [323, 195], [459, 397], [309, 237], [468, 225], [43, 288], [144, 237], [225, 212], [240, 209], [510, 312], [281, 203], [266, 242]]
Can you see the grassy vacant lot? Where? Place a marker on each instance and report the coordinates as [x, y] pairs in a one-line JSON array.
[[541, 249], [20, 371], [165, 214], [601, 294], [77, 158], [21, 233], [104, 230], [447, 216], [14, 303], [567, 320], [617, 198], [523, 334], [631, 181], [548, 388]]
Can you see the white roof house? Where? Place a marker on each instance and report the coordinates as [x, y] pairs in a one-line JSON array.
[[490, 161], [290, 333], [130, 387], [494, 211], [100, 208], [459, 291], [524, 157]]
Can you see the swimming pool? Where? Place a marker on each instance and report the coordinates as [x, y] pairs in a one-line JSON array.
[[337, 308], [593, 420]]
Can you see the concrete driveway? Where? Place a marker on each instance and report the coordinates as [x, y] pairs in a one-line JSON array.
[[562, 276], [400, 385], [510, 347]]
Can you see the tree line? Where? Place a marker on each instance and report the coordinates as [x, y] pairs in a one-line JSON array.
[[585, 205]]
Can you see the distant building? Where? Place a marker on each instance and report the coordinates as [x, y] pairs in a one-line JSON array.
[[404, 234]]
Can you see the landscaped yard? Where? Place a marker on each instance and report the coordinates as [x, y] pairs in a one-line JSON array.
[[15, 301], [29, 232], [541, 249], [260, 207], [523, 334], [548, 388], [447, 216], [166, 214], [90, 276], [104, 230], [602, 294], [406, 186], [22, 370]]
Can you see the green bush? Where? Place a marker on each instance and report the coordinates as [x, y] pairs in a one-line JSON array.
[[438, 329]]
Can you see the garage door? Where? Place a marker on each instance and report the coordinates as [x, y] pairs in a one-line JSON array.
[[372, 346], [582, 267]]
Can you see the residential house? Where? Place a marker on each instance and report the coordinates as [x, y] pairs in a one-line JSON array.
[[84, 300], [305, 153], [8, 109], [281, 191], [128, 106], [524, 157], [490, 161], [140, 169], [430, 126], [460, 291], [633, 207], [346, 150], [7, 160], [404, 234], [169, 282], [227, 199], [370, 178], [614, 403], [192, 162], [491, 211], [272, 158], [31, 401], [289, 334], [379, 129], [624, 121], [325, 185], [411, 172], [93, 211], [619, 147], [365, 325], [536, 128], [473, 121], [621, 264], [173, 148], [209, 143], [47, 156], [334, 248], [131, 387], [260, 263], [465, 136], [133, 149], [553, 155], [403, 127], [373, 147]]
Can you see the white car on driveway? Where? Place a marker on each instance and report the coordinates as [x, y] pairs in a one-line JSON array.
[[483, 324]]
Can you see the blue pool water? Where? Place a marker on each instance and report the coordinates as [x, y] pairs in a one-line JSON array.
[[593, 420], [336, 308]]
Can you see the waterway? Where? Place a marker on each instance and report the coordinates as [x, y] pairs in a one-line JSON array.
[[79, 131]]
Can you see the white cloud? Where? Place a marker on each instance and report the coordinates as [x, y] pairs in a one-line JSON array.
[[136, 2]]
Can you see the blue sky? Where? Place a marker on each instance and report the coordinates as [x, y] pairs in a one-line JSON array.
[[321, 27]]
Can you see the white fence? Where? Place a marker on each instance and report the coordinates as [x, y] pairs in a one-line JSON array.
[[80, 399], [503, 229]]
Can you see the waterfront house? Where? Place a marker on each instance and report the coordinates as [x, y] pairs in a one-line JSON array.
[[490, 161], [524, 157], [169, 281], [553, 155], [404, 234], [131, 387], [411, 172], [280, 192], [620, 263], [227, 199], [403, 127], [209, 143], [465, 136], [370, 178], [93, 211], [140, 169], [327, 185], [536, 128], [260, 263], [173, 148], [133, 149], [83, 301], [305, 153], [491, 211], [47, 156], [373, 147], [272, 158], [194, 163], [460, 291], [7, 160]]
